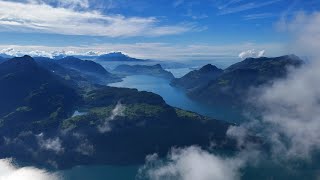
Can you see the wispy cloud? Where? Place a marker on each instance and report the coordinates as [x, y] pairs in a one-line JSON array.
[[236, 6], [177, 3], [85, 147], [117, 111], [258, 16], [50, 144], [40, 17]]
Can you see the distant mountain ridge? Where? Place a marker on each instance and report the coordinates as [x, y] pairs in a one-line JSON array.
[[117, 56], [153, 70]]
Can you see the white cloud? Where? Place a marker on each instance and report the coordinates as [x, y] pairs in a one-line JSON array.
[[84, 147], [40, 17], [292, 105], [305, 33], [194, 163], [290, 108], [291, 112], [117, 111], [50, 144], [8, 171], [251, 53]]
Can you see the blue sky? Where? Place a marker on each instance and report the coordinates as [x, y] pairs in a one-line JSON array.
[[163, 29]]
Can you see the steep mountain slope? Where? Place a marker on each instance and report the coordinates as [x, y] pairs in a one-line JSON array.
[[32, 93], [235, 82], [73, 77], [2, 59], [83, 65], [82, 73], [198, 78]]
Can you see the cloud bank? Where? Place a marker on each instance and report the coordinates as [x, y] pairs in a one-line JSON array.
[[8, 171], [290, 107], [192, 163]]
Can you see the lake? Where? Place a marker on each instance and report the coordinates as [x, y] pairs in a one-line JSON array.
[[100, 173], [176, 97]]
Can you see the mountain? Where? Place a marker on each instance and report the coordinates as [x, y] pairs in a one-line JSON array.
[[117, 56], [235, 82], [2, 59], [118, 125], [155, 70], [75, 78], [198, 78], [83, 65], [30, 93], [81, 72]]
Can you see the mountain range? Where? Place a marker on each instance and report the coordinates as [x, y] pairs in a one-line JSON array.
[[118, 125], [113, 56]]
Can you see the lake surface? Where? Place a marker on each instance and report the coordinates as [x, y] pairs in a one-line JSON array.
[[176, 97], [101, 173]]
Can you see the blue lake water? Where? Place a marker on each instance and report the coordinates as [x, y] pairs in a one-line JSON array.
[[101, 173], [176, 97]]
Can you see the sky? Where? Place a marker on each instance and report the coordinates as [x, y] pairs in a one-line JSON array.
[[163, 29]]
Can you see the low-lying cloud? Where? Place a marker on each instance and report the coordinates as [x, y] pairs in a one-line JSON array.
[[195, 163], [50, 144], [117, 111], [9, 171]]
